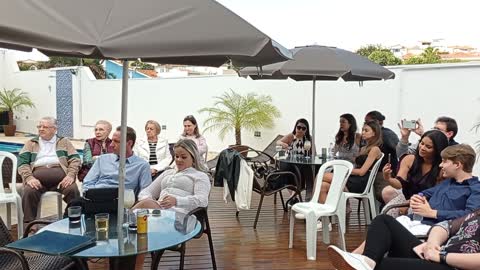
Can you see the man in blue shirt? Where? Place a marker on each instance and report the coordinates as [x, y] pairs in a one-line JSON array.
[[457, 195], [104, 172]]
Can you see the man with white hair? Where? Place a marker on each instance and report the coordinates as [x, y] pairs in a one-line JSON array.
[[47, 163]]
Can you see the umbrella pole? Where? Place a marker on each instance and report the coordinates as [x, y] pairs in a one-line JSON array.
[[313, 112], [123, 147]]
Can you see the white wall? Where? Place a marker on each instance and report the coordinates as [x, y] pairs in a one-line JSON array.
[[418, 91]]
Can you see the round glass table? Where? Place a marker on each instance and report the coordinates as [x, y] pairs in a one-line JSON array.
[[167, 229]]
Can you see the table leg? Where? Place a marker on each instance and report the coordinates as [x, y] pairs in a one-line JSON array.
[[81, 263], [122, 263]]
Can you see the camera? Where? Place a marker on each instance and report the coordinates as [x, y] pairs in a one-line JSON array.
[[410, 124]]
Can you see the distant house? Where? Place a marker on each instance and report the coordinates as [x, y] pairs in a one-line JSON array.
[[115, 69]]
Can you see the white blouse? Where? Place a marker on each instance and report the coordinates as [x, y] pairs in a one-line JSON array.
[[190, 188]]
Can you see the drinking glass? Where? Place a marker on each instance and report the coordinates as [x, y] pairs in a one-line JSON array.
[[307, 146], [128, 202], [101, 222], [74, 214]]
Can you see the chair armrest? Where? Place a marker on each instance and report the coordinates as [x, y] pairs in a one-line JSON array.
[[399, 205], [18, 255], [35, 222]]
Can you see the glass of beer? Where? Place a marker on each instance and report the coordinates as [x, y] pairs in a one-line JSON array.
[[74, 214], [101, 222]]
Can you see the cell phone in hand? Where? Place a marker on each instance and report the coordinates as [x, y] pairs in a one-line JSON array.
[[410, 124], [389, 158]]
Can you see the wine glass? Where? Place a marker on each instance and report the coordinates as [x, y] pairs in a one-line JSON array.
[[128, 202], [307, 146]]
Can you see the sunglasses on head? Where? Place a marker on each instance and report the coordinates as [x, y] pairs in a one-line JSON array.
[[301, 128]]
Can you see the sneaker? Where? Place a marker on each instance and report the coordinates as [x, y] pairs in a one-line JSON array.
[[342, 260], [320, 226]]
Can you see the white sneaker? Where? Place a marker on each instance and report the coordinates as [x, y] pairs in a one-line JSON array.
[[342, 260], [320, 226]]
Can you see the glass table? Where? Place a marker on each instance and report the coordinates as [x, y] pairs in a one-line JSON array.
[[301, 162], [167, 229]]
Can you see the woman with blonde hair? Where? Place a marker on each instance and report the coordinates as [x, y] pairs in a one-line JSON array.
[[153, 148]]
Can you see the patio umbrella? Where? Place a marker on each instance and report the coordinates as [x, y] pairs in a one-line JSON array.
[[321, 63], [196, 32]]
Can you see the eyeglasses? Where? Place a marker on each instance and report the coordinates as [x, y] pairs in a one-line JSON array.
[[301, 128], [44, 127]]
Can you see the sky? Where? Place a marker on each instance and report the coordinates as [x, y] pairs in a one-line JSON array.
[[349, 24]]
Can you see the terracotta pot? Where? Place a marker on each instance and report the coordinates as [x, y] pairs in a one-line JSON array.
[[9, 130], [240, 148]]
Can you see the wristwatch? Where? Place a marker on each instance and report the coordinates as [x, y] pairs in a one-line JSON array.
[[443, 257]]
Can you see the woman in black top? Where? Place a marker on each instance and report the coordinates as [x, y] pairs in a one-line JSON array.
[[453, 244]]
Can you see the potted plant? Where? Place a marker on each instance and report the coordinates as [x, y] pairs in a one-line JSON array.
[[234, 112], [10, 101]]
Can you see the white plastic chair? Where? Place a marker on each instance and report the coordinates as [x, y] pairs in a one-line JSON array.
[[59, 203], [368, 195], [12, 196], [313, 210]]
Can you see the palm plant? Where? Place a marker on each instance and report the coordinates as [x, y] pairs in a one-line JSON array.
[[14, 100], [232, 112]]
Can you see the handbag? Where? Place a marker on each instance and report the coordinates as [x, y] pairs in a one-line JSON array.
[[101, 200]]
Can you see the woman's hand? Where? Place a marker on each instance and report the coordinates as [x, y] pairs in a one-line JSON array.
[[168, 202], [153, 171], [284, 145], [387, 171]]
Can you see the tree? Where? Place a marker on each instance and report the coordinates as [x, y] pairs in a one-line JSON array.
[[234, 112], [431, 55], [369, 49], [13, 100], [384, 58], [94, 64]]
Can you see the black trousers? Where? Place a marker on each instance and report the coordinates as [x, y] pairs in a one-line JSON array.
[[386, 235]]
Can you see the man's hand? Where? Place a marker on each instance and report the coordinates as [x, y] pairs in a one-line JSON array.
[[419, 129], [420, 206], [67, 181], [153, 172], [404, 132], [168, 202], [34, 183]]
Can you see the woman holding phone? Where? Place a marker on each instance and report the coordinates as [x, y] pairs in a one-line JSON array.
[[416, 172]]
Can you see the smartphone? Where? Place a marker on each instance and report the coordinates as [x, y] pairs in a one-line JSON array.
[[389, 158], [410, 124]]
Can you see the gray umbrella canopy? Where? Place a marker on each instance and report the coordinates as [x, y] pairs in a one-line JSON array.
[[197, 32], [312, 63]]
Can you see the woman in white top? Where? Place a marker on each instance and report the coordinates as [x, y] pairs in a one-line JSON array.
[[191, 131], [153, 148], [184, 188]]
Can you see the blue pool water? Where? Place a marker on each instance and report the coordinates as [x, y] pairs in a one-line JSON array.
[[16, 147]]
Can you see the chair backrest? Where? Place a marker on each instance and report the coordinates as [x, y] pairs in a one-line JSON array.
[[13, 158], [271, 148], [373, 174], [341, 172], [5, 236]]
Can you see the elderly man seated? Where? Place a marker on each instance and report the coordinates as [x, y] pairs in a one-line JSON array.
[[47, 163], [104, 172]]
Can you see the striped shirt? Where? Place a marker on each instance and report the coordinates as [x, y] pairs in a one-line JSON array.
[[153, 153]]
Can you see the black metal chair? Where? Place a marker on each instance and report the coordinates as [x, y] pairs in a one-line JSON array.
[[268, 179], [12, 259], [202, 216]]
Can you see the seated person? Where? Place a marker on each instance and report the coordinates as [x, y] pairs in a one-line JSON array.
[[347, 140], [96, 146], [417, 172], [182, 189], [297, 143], [456, 196], [450, 245], [104, 173], [191, 131], [153, 149], [185, 188], [47, 163], [444, 124]]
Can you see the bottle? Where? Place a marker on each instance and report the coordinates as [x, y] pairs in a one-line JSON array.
[[417, 217], [330, 151]]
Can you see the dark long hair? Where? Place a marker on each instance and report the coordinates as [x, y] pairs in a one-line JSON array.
[[440, 142], [352, 130], [307, 132], [192, 120], [376, 140]]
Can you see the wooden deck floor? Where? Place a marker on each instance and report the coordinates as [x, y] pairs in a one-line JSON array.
[[239, 246]]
